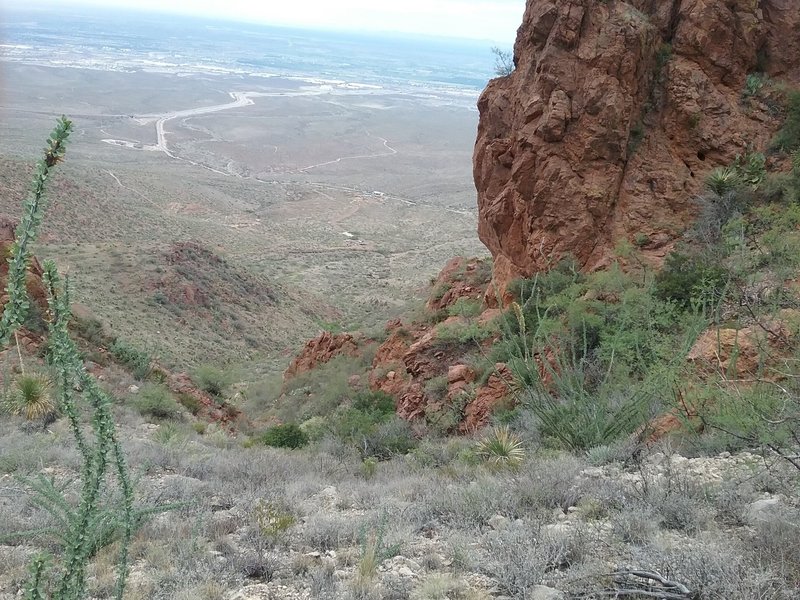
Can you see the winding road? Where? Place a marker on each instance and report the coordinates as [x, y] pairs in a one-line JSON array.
[[240, 99]]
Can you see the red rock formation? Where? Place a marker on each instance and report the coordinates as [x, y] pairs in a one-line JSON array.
[[320, 350], [613, 116], [487, 398], [36, 289], [460, 278], [753, 351]]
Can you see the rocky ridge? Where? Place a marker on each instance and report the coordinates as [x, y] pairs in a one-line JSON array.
[[612, 117]]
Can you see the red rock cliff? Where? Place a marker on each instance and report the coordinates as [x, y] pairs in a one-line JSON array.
[[613, 116]]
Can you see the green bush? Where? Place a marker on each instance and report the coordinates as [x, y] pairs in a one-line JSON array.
[[501, 448], [288, 435], [91, 330], [155, 400], [465, 307], [462, 334], [753, 85], [788, 138], [389, 438], [592, 355], [190, 403], [377, 402], [690, 281], [31, 396], [212, 380], [139, 362]]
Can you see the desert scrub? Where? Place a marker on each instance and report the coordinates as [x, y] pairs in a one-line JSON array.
[[213, 380], [463, 333], [465, 307], [139, 362], [592, 354], [155, 400]]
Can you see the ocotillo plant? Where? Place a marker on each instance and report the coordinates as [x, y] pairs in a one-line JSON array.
[[84, 527]]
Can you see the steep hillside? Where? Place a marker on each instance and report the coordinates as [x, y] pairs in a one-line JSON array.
[[613, 116]]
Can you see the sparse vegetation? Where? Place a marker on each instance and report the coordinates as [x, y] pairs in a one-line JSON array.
[[156, 401], [213, 380], [579, 489], [503, 62]]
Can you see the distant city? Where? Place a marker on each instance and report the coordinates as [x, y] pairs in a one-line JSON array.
[[130, 41]]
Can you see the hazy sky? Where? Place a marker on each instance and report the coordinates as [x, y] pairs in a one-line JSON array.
[[495, 20]]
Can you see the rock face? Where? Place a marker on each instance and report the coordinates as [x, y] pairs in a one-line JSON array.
[[613, 116], [320, 350]]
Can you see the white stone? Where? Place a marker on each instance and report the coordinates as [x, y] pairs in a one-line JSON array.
[[542, 592], [762, 511], [498, 522]]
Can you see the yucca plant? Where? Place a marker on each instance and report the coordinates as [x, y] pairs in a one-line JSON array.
[[30, 396], [501, 447], [723, 180]]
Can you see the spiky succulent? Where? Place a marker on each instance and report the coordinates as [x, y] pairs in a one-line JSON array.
[[30, 396], [723, 180], [501, 447]]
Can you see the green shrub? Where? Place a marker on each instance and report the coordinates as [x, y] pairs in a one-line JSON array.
[[503, 62], [436, 387], [751, 168], [288, 435], [155, 400], [190, 403], [465, 307], [592, 355], [212, 380], [369, 466], [138, 361], [315, 428], [320, 391], [753, 85], [690, 281], [392, 437], [788, 138], [376, 402], [723, 180], [462, 334]]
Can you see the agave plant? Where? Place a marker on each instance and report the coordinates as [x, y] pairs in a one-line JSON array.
[[723, 180], [501, 447], [30, 396]]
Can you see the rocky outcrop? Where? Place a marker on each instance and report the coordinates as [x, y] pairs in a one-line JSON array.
[[36, 288], [320, 350], [460, 278], [487, 397], [611, 119], [759, 350], [423, 364]]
